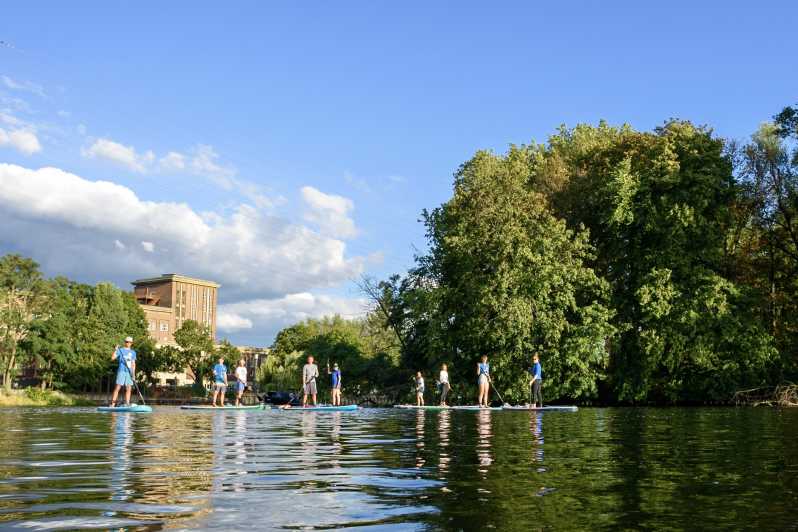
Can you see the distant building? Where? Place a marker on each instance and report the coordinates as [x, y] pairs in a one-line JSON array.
[[171, 299], [254, 357]]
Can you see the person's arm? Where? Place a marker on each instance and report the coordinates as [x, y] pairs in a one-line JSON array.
[[115, 354], [225, 376], [478, 372]]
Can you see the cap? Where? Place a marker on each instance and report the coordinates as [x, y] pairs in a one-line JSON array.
[[335, 366], [129, 339]]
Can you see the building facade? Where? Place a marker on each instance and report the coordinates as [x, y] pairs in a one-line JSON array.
[[171, 299]]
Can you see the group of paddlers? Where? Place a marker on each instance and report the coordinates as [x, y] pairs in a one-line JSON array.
[[484, 383], [125, 376]]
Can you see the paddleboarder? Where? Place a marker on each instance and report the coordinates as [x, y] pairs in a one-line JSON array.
[[419, 389], [310, 372], [483, 381], [335, 391], [536, 382], [126, 371], [241, 380], [219, 381], [443, 382]]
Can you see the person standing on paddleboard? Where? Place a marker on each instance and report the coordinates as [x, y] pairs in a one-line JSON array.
[[241, 380], [335, 391], [126, 371], [310, 372], [443, 380], [537, 381], [483, 381], [419, 389], [219, 381]]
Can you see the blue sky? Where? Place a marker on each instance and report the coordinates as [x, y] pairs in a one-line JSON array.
[[297, 143]]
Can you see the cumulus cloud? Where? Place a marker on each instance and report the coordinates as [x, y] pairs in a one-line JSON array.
[[149, 247], [66, 223], [120, 154], [232, 323], [270, 315], [23, 140], [330, 212]]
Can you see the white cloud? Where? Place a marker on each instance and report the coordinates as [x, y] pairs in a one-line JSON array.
[[203, 162], [66, 222], [119, 245], [270, 315], [120, 154], [23, 140], [232, 323], [329, 212], [26, 86], [172, 161], [149, 247]]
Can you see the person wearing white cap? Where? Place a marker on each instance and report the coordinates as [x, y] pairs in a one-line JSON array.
[[126, 371]]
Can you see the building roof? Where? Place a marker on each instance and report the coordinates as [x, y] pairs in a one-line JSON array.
[[174, 277]]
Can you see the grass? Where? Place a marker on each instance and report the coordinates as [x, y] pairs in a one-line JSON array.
[[38, 397]]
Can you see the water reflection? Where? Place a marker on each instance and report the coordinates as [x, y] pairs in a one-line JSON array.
[[484, 451], [120, 459], [602, 469], [420, 417], [444, 426]]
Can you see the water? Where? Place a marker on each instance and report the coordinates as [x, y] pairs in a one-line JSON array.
[[663, 469]]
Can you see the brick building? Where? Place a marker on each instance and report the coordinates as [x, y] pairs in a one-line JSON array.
[[171, 299]]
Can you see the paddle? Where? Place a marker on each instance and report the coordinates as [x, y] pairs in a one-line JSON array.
[[490, 381]]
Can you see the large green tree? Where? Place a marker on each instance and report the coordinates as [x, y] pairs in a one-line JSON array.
[[658, 208], [511, 279], [23, 297]]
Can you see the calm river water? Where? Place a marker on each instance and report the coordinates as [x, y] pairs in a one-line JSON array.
[[384, 469]]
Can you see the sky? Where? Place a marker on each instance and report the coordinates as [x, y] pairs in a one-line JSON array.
[[286, 149]]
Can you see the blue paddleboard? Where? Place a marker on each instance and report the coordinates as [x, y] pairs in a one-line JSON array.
[[131, 408]]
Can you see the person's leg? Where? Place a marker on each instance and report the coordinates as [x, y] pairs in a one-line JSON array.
[[305, 398], [116, 393], [314, 400], [215, 393], [222, 393], [128, 389]]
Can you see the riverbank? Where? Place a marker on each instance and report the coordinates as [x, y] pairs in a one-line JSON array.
[[38, 397]]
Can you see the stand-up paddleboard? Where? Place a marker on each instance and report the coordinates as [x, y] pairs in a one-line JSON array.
[[475, 407], [226, 407], [423, 407], [561, 408], [130, 408], [328, 408]]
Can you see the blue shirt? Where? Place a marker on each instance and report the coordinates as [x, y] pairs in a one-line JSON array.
[[536, 371], [219, 372], [336, 377], [125, 355], [484, 368]]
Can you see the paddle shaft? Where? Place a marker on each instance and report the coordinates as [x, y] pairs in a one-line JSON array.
[[135, 384], [490, 381]]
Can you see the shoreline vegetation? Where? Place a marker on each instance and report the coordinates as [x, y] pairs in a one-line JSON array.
[[645, 267], [35, 396]]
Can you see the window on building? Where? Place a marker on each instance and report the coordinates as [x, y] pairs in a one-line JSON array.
[[164, 326], [151, 325]]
